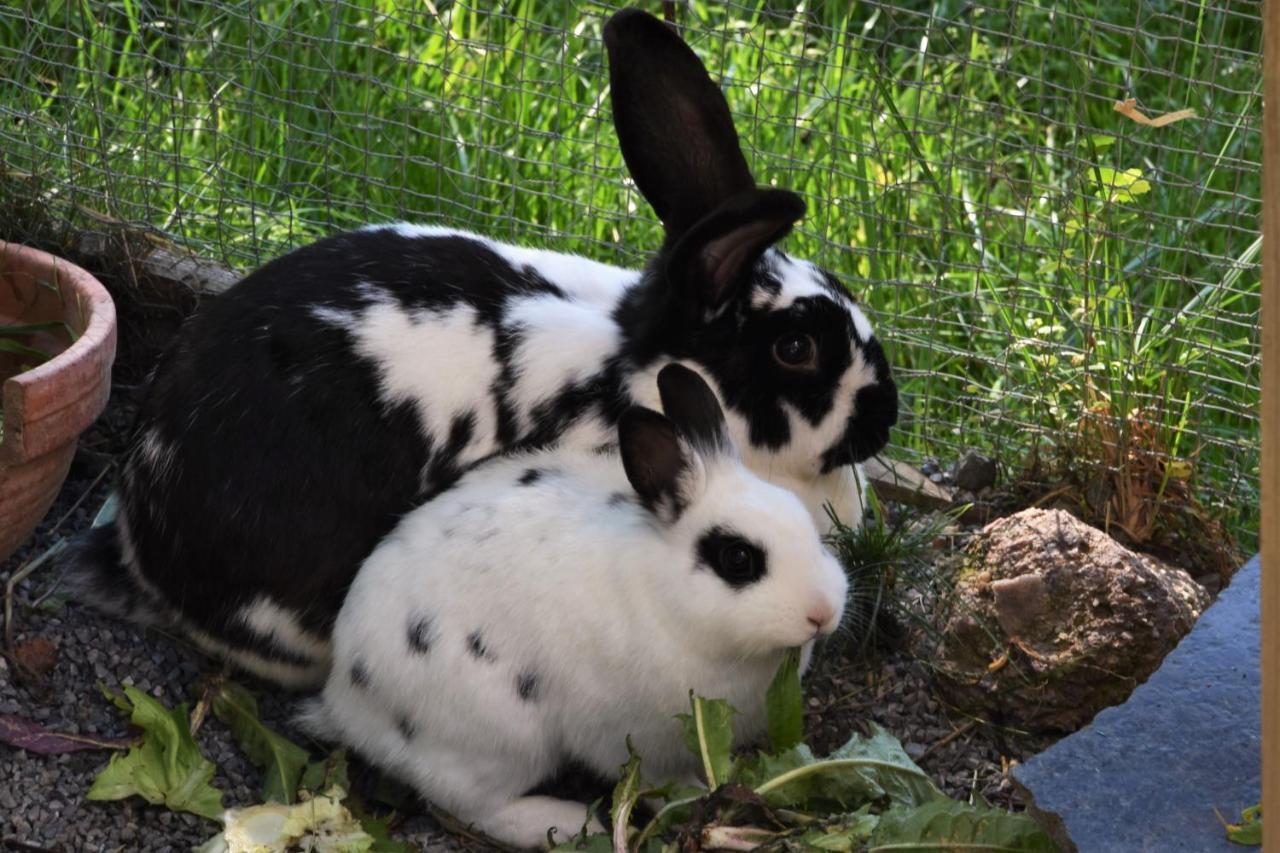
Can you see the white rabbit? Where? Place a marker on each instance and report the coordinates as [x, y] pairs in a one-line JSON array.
[[544, 610]]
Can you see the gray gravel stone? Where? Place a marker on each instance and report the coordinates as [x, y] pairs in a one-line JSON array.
[[974, 472]]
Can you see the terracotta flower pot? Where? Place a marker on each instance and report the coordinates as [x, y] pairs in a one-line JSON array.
[[47, 407]]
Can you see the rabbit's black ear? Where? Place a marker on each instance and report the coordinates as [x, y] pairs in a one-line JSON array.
[[710, 264], [692, 406], [672, 121], [654, 460]]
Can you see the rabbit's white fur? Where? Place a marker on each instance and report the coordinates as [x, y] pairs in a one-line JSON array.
[[525, 619]]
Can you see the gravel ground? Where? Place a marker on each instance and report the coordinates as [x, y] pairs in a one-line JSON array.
[[42, 803]]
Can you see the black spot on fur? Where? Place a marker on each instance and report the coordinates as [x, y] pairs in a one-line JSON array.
[[406, 727], [527, 686], [475, 645], [601, 394], [529, 477], [618, 499], [444, 469], [506, 341], [574, 780], [736, 560], [359, 675], [420, 634]]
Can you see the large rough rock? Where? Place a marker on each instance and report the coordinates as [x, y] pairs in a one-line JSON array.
[[1053, 620]]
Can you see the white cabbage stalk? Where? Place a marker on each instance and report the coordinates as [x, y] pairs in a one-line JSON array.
[[319, 825]]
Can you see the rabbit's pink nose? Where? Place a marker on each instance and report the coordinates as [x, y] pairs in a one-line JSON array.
[[820, 615]]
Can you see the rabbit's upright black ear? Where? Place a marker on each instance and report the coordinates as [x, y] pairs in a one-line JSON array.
[[692, 406], [679, 142], [673, 123]]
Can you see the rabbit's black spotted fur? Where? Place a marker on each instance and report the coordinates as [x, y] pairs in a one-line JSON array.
[[565, 653], [303, 413]]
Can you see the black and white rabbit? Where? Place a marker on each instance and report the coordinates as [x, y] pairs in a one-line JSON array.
[[544, 610], [300, 415]]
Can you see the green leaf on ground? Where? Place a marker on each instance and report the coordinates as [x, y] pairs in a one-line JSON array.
[[708, 733], [107, 512], [118, 699], [280, 759], [379, 829], [166, 768], [320, 776], [598, 843], [866, 769], [867, 795], [945, 824], [1249, 830], [889, 767], [784, 704], [625, 795], [847, 833], [796, 779]]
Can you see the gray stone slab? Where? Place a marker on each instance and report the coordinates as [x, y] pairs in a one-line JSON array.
[[1147, 775]]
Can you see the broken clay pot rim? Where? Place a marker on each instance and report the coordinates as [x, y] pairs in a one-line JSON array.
[[68, 391]]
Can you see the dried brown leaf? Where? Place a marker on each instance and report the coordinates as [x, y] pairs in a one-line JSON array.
[[37, 655], [1129, 109], [33, 737]]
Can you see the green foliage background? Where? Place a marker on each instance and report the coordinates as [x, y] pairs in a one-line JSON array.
[[1027, 252]]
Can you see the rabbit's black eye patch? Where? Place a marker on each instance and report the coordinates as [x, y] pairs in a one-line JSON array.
[[737, 561]]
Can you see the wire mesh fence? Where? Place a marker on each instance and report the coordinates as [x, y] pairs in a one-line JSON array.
[[1058, 281]]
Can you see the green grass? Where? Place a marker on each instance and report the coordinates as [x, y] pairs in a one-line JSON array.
[[892, 564], [966, 173]]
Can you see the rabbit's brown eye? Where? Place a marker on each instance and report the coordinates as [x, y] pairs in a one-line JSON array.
[[795, 350]]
